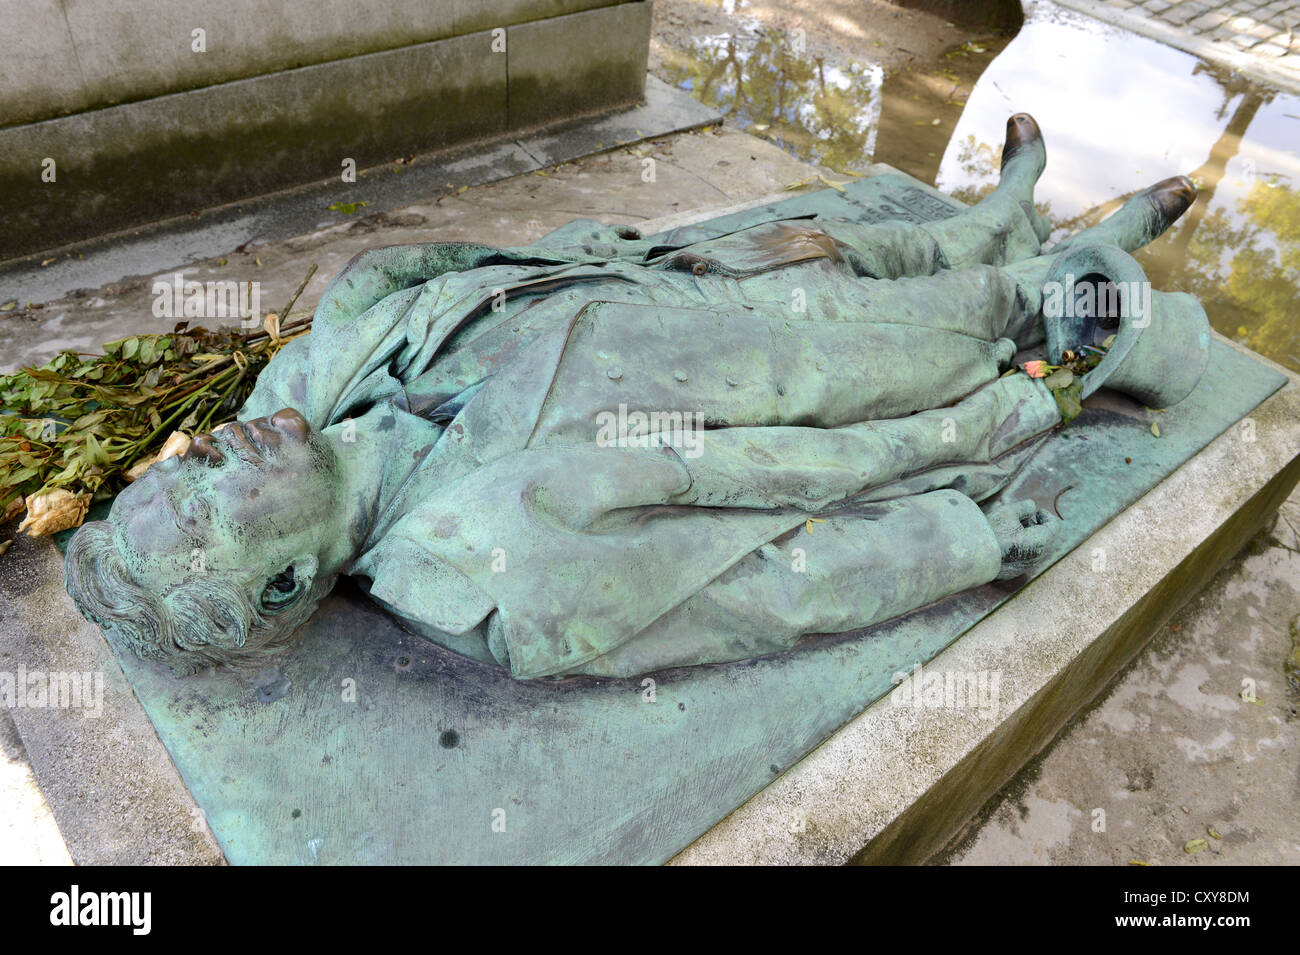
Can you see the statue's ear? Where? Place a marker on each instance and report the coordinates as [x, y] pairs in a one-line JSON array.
[[287, 587]]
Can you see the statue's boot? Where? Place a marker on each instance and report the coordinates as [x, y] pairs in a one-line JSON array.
[[1142, 219], [1089, 291], [1004, 227]]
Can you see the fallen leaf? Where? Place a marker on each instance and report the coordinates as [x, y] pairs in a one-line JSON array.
[[1155, 429], [13, 509], [1213, 833], [54, 511], [1194, 846], [1061, 378], [817, 178], [347, 208], [5, 546]]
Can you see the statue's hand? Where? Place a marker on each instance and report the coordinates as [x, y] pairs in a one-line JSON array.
[[1023, 531]]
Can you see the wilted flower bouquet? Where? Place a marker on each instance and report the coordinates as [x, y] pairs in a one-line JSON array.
[[73, 430]]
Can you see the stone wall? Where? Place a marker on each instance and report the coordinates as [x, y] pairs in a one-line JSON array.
[[145, 118]]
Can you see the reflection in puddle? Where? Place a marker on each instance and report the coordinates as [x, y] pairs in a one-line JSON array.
[[1118, 111], [763, 81]]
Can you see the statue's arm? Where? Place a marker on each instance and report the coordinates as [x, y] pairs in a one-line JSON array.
[[845, 572]]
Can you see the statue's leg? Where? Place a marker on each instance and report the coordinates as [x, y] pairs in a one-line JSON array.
[[1004, 227], [1142, 219]]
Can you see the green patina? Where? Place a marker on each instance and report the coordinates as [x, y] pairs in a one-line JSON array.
[[449, 401]]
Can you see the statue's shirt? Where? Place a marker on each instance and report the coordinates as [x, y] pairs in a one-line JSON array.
[[602, 462]]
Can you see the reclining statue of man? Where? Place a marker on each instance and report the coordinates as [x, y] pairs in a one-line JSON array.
[[599, 455]]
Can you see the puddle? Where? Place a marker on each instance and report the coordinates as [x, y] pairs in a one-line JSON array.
[[842, 115], [1119, 112], [764, 82]]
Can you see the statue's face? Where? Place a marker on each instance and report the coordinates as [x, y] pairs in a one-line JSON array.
[[251, 501]]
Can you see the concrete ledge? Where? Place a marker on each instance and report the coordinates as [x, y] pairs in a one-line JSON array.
[[896, 783], [144, 161], [551, 77], [185, 240], [80, 759]]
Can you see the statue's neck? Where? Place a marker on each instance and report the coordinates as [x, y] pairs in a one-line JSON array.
[[376, 453]]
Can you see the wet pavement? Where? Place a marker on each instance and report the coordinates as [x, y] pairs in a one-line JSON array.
[[1257, 37], [1119, 111]]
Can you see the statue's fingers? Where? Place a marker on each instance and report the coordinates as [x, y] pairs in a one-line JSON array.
[[1024, 511], [1034, 540]]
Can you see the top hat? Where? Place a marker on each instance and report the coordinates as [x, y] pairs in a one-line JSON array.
[[1162, 339]]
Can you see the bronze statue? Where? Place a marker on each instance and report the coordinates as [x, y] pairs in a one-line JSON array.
[[609, 454]]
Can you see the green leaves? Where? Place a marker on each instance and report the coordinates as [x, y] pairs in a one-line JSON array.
[[347, 208], [1067, 389], [1069, 399], [79, 421]]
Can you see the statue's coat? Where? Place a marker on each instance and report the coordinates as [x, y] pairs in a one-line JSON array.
[[509, 534]]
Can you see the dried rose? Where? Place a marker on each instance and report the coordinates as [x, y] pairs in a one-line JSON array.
[[54, 511], [178, 443]]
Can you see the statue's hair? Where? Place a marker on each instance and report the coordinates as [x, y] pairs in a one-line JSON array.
[[204, 622]]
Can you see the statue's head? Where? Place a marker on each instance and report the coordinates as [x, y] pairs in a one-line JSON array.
[[216, 556]]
